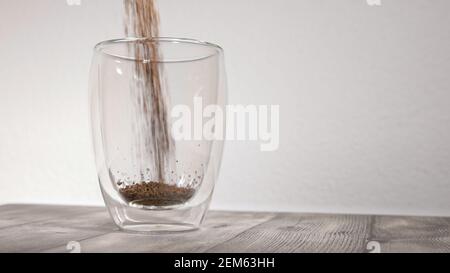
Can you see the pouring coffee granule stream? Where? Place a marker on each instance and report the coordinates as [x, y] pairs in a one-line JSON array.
[[153, 139]]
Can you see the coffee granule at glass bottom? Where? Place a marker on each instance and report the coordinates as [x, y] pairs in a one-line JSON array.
[[156, 194]]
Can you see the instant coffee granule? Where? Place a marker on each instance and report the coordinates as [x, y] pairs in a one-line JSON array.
[[156, 194]]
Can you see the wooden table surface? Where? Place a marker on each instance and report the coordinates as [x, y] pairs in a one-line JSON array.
[[41, 228]]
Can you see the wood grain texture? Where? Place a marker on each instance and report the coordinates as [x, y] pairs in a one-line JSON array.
[[38, 228], [411, 234], [302, 233], [28, 228], [12, 215]]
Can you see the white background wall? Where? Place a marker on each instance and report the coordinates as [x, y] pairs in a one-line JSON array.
[[364, 94]]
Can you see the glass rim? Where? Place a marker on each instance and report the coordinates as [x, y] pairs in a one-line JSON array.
[[99, 48]]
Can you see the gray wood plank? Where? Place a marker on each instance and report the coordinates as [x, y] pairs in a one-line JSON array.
[[303, 233], [411, 234], [36, 238], [31, 228], [218, 227], [35, 228], [12, 215]]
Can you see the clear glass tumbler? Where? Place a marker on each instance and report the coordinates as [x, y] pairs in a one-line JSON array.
[[151, 180]]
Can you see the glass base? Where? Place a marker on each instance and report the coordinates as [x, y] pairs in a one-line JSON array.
[[158, 228], [145, 219]]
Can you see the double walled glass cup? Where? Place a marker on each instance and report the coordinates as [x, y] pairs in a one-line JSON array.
[[144, 189]]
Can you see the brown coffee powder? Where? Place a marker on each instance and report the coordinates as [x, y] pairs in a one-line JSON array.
[[156, 194]]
